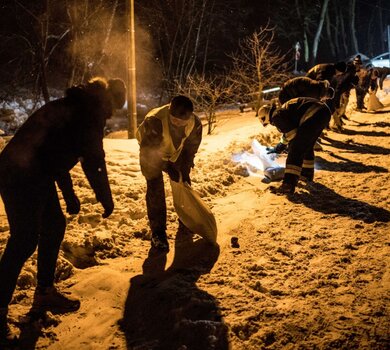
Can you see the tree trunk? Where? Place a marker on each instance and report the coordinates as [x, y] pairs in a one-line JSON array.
[[370, 34], [42, 46], [336, 31], [200, 28], [305, 30], [342, 31], [206, 49], [329, 33], [381, 27], [352, 8], [42, 78], [173, 43], [317, 36], [108, 33]]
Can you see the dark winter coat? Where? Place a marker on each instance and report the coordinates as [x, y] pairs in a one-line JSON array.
[[291, 115], [322, 71], [302, 87], [343, 83], [56, 137], [383, 73]]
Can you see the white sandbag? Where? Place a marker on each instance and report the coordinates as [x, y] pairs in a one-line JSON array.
[[193, 212], [274, 173], [267, 160], [373, 102]]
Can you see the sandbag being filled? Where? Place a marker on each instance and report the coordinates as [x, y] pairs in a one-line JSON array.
[[193, 212], [373, 102]]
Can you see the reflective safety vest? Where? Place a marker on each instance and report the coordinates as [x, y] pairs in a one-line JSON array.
[[167, 148]]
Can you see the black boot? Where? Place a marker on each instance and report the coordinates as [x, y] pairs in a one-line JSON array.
[[160, 242], [50, 299], [307, 174], [284, 189], [7, 337]]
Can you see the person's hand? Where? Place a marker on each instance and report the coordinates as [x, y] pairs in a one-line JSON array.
[[185, 173], [173, 173], [278, 149], [73, 205], [108, 209]]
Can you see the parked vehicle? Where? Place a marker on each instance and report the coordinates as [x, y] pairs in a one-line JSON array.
[[382, 60]]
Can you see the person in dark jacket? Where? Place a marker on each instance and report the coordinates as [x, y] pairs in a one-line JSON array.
[[342, 78], [343, 84], [383, 73], [301, 120], [326, 71], [301, 87], [362, 87], [42, 152], [169, 138]]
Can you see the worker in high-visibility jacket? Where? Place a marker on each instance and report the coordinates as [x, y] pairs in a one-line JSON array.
[[301, 120], [301, 87], [169, 138]]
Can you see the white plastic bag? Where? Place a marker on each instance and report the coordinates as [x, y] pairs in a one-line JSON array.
[[267, 160], [193, 212], [272, 170], [373, 102]]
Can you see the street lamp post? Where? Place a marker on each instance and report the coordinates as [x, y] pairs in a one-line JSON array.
[[131, 77]]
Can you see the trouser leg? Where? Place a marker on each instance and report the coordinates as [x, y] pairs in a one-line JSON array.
[[301, 147], [50, 239], [337, 123], [308, 164], [156, 206], [344, 102], [23, 208], [360, 93]]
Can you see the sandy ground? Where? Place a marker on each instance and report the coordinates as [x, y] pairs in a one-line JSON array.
[[311, 271]]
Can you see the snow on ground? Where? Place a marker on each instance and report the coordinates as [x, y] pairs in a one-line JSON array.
[[311, 271]]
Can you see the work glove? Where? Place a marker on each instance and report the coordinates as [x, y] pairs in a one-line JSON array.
[[173, 173], [278, 149], [72, 205]]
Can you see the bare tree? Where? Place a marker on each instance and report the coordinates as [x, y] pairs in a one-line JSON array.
[[91, 26], [209, 94], [185, 36], [41, 39], [258, 64]]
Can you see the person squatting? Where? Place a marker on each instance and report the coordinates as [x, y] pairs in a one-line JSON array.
[[41, 153]]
